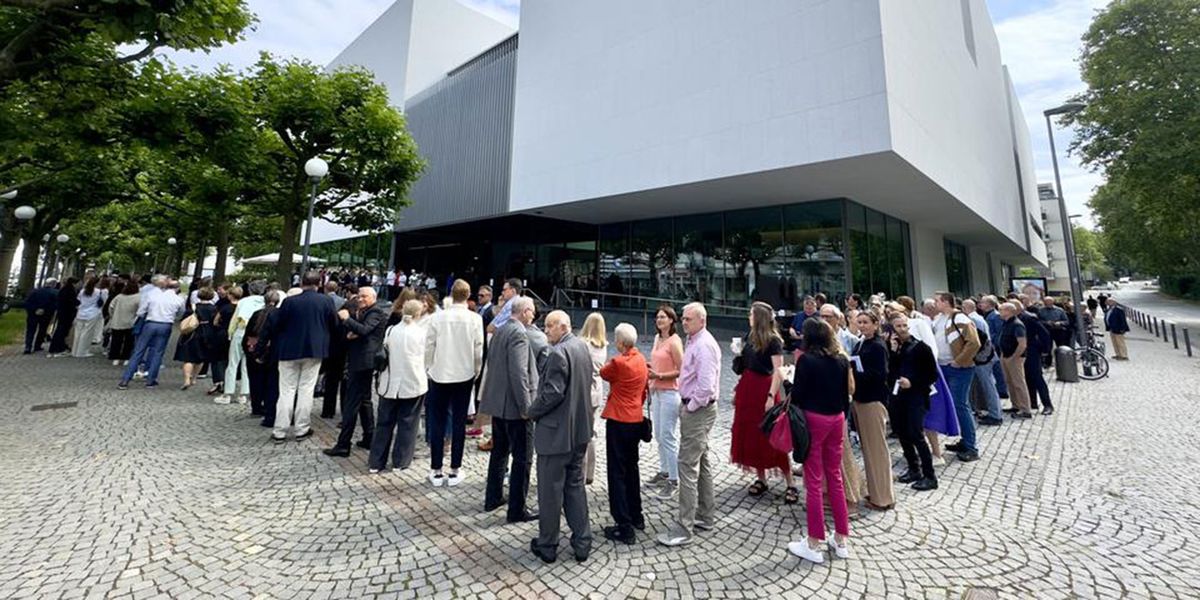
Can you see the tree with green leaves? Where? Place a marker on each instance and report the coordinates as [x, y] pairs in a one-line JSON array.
[[343, 117], [1141, 126]]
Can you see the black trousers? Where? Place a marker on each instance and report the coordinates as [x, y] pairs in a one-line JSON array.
[[264, 389], [908, 421], [398, 416], [335, 375], [60, 341], [1036, 381], [448, 403], [120, 345], [35, 331], [510, 437], [357, 407], [624, 482]]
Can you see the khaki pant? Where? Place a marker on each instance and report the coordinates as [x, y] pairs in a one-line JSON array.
[[871, 418], [1118, 343], [695, 470], [1014, 376], [852, 479]]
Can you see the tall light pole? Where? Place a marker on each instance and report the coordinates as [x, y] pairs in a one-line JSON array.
[[1068, 235], [45, 259], [316, 169], [61, 239], [170, 255]]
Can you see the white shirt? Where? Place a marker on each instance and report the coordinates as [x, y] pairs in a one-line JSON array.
[[402, 280], [943, 339], [919, 327], [162, 306], [405, 375], [454, 344], [90, 307]]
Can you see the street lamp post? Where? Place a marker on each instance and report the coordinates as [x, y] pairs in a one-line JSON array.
[[316, 169], [45, 259], [1068, 235], [61, 239], [170, 255]]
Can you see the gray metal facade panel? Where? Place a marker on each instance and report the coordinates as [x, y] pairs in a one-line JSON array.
[[463, 129]]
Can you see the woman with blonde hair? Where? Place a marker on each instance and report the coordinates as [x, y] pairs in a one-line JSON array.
[[593, 332], [758, 362], [666, 359], [401, 386]]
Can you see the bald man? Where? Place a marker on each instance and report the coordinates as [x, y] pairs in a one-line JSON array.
[[364, 334], [562, 412]]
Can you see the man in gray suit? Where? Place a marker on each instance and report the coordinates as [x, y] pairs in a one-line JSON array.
[[510, 381], [563, 414]]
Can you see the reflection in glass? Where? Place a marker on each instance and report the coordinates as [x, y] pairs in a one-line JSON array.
[[651, 255], [752, 252], [614, 259], [699, 270]]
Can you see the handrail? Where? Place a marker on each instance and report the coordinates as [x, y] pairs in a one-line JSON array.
[[672, 301]]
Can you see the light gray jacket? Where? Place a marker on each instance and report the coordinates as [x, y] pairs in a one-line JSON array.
[[511, 377]]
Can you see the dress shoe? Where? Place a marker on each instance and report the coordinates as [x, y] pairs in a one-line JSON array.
[[1012, 409], [615, 534], [327, 416], [364, 444], [925, 484], [490, 507], [968, 455], [990, 421], [908, 477], [1048, 411], [546, 558], [336, 451], [305, 435], [1021, 415], [955, 447], [581, 556], [525, 518], [278, 440]]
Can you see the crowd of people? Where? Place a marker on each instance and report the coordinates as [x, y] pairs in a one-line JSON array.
[[879, 368]]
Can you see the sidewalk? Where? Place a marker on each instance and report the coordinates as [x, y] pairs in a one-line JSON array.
[[142, 494]]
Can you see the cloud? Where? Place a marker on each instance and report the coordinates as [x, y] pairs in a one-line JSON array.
[[1041, 48]]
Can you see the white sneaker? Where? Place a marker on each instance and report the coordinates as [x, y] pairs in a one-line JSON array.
[[116, 363], [842, 551], [221, 400], [436, 478], [373, 471], [242, 400], [125, 363], [803, 550], [938, 461], [139, 375], [454, 479]]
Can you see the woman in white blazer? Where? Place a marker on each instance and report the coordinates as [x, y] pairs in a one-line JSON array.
[[401, 387]]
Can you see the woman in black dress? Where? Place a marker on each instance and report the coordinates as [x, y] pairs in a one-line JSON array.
[[68, 305], [195, 347], [263, 367]]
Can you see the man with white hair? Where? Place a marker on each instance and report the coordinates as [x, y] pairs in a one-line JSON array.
[[626, 374], [363, 331], [563, 413], [983, 387], [699, 381], [1013, 344], [832, 316], [161, 309], [510, 381]]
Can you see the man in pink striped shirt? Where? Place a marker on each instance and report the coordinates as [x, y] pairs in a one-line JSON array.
[[699, 383]]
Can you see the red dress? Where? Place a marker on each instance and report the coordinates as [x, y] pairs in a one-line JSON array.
[[750, 448]]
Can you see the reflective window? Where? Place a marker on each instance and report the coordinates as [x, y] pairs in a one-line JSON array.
[[699, 269], [814, 253], [614, 258], [881, 279], [652, 256], [958, 269], [753, 256]]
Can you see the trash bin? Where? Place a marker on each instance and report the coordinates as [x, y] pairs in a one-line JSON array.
[[1065, 367]]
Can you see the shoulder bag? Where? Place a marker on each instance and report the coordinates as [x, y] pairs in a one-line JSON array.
[[647, 432]]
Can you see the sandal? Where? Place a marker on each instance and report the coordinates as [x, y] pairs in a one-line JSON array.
[[791, 496], [758, 488], [216, 388]]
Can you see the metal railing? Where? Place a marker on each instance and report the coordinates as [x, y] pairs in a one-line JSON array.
[[1159, 327], [647, 306]]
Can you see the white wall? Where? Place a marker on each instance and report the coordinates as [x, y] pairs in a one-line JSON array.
[[627, 95], [383, 49], [1028, 179], [949, 113]]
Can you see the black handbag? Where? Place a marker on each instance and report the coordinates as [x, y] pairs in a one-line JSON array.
[[647, 432]]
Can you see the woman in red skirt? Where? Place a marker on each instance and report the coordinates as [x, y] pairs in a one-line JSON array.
[[758, 362]]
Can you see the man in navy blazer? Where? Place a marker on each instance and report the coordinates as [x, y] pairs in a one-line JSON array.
[[1117, 326], [299, 335], [39, 313]]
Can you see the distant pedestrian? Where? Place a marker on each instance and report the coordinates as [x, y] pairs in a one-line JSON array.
[[1117, 326], [65, 311], [40, 307], [1040, 343], [196, 346], [262, 361], [160, 309], [122, 312], [236, 363], [594, 334]]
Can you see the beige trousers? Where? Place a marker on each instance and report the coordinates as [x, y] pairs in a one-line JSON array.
[[1118, 342], [1014, 376], [852, 479], [871, 418]]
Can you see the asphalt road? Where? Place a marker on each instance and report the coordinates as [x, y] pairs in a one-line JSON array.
[[1151, 301]]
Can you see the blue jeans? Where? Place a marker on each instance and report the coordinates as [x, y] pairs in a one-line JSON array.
[[959, 382], [998, 377], [149, 348], [987, 382]]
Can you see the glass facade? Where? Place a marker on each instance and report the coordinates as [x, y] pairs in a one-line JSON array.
[[775, 254], [958, 269], [363, 252]]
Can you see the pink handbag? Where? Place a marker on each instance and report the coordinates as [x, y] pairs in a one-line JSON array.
[[781, 433]]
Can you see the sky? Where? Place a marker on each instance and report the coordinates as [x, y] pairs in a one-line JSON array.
[[1039, 41]]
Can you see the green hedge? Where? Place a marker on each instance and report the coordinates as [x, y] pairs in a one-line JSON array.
[[1183, 286]]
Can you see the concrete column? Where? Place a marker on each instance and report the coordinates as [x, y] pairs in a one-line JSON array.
[[928, 259]]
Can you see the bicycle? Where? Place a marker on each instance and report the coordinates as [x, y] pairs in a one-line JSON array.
[[1091, 357]]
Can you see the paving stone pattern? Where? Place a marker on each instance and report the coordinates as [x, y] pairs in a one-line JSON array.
[[163, 494]]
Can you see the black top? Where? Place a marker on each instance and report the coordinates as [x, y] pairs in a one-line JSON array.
[[913, 360], [821, 384], [368, 327], [761, 362], [1010, 336], [870, 384], [302, 326]]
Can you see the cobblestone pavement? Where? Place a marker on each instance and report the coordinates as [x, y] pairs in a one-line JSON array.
[[143, 494]]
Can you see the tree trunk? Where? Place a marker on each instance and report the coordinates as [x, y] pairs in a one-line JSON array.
[[177, 255], [198, 271], [29, 264], [222, 251], [287, 247], [10, 230]]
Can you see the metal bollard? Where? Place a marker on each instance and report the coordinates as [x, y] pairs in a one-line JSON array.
[[1187, 342], [1174, 337], [1166, 340], [1155, 326]]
